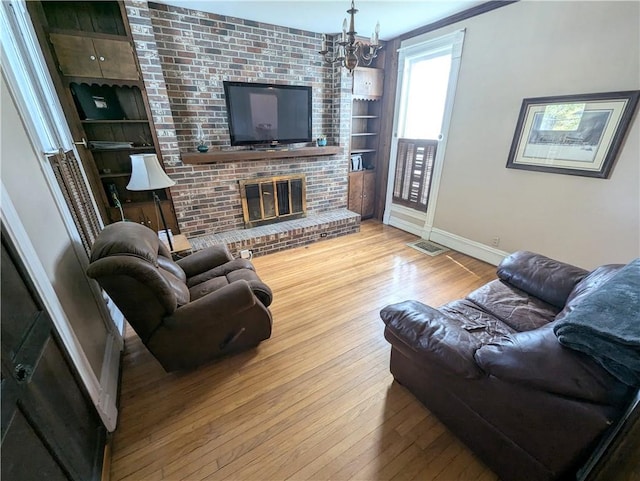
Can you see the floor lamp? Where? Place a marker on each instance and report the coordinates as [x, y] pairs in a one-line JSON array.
[[146, 174]]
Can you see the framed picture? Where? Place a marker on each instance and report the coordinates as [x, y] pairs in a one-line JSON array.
[[572, 134]]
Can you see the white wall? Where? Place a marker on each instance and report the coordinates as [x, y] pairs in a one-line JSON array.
[[538, 49], [25, 182]]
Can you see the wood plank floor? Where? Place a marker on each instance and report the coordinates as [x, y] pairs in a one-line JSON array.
[[314, 402]]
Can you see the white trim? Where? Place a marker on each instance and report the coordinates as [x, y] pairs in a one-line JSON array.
[[398, 212], [34, 93], [20, 50], [107, 403], [417, 45], [446, 123], [15, 230], [412, 48], [32, 89], [467, 246], [407, 227]]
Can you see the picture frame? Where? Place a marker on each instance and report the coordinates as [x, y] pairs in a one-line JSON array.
[[572, 134]]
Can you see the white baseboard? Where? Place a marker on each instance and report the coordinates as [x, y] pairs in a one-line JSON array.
[[406, 226], [466, 246], [109, 383]]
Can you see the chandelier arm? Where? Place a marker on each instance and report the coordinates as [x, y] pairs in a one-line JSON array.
[[351, 52]]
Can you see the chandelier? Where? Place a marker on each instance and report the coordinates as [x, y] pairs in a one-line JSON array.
[[351, 52]]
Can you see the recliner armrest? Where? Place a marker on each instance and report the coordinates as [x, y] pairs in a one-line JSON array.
[[430, 337], [542, 277], [538, 360], [205, 259]]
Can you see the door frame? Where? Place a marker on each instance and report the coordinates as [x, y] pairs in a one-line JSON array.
[[421, 224], [32, 88]]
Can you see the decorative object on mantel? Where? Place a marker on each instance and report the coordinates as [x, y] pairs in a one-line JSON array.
[[572, 134], [146, 174], [202, 146], [321, 141], [352, 52]]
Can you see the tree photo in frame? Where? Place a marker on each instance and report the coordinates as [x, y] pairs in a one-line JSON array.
[[572, 134]]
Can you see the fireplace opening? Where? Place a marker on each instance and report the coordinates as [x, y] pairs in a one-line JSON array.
[[273, 199]]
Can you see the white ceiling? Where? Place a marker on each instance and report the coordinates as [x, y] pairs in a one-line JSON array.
[[326, 16]]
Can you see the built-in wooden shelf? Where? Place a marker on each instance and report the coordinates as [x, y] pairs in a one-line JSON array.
[[240, 155]]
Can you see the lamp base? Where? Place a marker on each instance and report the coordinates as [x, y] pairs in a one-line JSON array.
[[164, 222]]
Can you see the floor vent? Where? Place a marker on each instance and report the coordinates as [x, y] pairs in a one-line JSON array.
[[428, 247]]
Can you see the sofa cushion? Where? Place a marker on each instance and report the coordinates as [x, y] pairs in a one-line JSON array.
[[175, 269], [514, 307], [178, 287], [205, 288], [221, 270], [548, 279], [536, 359]]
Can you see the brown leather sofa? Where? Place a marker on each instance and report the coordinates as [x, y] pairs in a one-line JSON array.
[[201, 307], [491, 368]]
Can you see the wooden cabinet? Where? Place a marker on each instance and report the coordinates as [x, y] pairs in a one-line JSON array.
[[362, 190], [89, 49], [94, 57], [368, 83]]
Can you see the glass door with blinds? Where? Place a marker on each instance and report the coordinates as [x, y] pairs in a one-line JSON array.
[[427, 72]]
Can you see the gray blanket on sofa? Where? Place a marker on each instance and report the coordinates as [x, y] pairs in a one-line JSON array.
[[606, 325]]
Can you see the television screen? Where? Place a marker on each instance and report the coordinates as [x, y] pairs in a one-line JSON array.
[[268, 114]]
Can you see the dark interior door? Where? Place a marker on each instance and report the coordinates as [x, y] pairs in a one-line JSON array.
[[50, 428]]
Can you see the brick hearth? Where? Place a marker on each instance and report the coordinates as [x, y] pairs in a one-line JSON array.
[[283, 235]]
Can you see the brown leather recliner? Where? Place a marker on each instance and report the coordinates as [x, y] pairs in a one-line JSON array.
[[201, 307]]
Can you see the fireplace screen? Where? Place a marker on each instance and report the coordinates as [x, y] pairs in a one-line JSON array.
[[273, 199]]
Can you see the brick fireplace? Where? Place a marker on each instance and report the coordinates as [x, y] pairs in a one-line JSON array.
[[184, 56]]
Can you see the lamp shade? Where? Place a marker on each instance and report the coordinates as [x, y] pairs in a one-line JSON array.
[[146, 173]]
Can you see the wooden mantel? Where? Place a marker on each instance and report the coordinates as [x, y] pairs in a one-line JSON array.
[[240, 155]]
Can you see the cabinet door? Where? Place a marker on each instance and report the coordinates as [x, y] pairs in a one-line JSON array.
[[356, 180], [146, 213], [50, 430], [76, 56], [368, 82], [98, 58], [368, 193], [116, 59]]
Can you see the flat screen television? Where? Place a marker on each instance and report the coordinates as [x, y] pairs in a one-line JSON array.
[[268, 114]]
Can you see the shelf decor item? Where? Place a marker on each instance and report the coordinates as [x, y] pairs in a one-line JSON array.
[[321, 141], [202, 146], [572, 134], [352, 52], [147, 174]]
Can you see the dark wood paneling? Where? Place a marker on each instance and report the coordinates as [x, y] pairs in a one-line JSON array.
[[50, 428]]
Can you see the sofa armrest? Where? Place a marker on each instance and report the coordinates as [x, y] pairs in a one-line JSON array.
[[227, 301], [430, 337], [205, 259], [536, 359], [547, 279]]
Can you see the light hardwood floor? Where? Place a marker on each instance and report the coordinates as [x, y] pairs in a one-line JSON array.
[[316, 401]]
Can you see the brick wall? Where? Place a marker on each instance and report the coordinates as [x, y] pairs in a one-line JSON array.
[[185, 56]]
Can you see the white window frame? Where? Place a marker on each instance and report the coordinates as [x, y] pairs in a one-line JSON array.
[[423, 46]]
